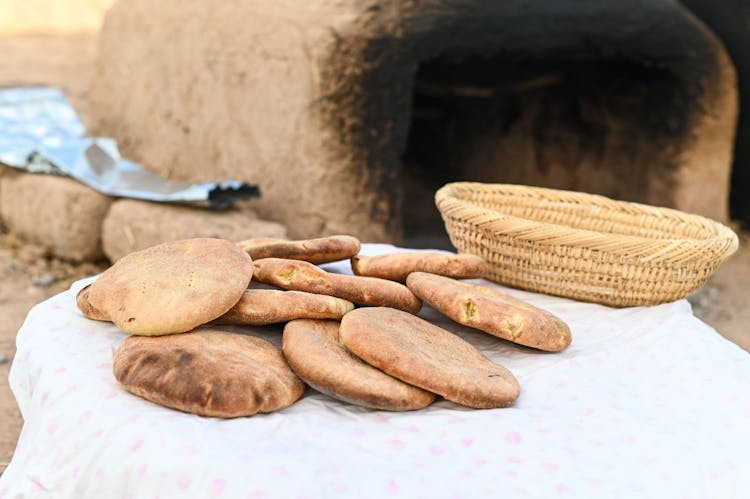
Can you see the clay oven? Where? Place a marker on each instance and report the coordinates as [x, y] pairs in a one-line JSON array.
[[349, 114]]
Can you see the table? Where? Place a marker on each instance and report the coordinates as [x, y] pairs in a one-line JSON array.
[[646, 402]]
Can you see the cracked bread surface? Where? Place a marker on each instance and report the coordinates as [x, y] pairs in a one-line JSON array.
[[491, 311], [208, 372]]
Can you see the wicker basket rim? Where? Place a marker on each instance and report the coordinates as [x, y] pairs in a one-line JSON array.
[[723, 243]]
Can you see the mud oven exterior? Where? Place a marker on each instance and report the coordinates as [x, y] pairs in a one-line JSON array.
[[349, 114]]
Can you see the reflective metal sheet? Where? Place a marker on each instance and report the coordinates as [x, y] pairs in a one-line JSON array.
[[40, 132]]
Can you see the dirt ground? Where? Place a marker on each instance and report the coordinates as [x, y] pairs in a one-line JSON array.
[[28, 277]]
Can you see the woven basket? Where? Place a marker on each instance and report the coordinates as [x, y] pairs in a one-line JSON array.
[[583, 246]]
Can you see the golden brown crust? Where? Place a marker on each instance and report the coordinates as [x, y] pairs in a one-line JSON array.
[[259, 307], [491, 311], [314, 352], [172, 287], [304, 276], [397, 266], [84, 305], [424, 355], [259, 244], [320, 250], [208, 372]]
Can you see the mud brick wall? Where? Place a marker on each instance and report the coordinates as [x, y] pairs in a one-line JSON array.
[[314, 101]]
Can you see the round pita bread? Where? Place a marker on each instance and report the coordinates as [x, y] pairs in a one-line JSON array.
[[304, 276], [314, 352], [173, 287], [491, 311], [208, 372], [259, 307], [84, 305], [397, 266], [319, 250], [422, 354]]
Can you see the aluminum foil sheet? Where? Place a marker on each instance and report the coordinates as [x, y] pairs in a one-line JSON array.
[[40, 132]]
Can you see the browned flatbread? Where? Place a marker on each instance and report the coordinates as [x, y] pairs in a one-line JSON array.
[[208, 372], [173, 287], [304, 276], [314, 352], [422, 354], [397, 266], [491, 311], [84, 305], [258, 307], [320, 250]]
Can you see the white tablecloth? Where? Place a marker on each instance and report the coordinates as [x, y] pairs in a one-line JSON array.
[[646, 402]]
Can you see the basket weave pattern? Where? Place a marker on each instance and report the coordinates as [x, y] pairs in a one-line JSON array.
[[583, 246]]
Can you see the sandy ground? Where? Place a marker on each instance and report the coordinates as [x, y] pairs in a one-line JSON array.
[[28, 277]]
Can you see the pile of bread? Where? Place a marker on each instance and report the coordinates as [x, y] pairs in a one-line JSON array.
[[353, 337]]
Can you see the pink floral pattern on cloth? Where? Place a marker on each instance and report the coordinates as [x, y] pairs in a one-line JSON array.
[[646, 402]]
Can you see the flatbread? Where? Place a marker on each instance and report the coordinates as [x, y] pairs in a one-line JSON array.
[[259, 307], [304, 276], [84, 305], [314, 352], [208, 372], [397, 266], [173, 287], [493, 312], [422, 354], [319, 250]]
